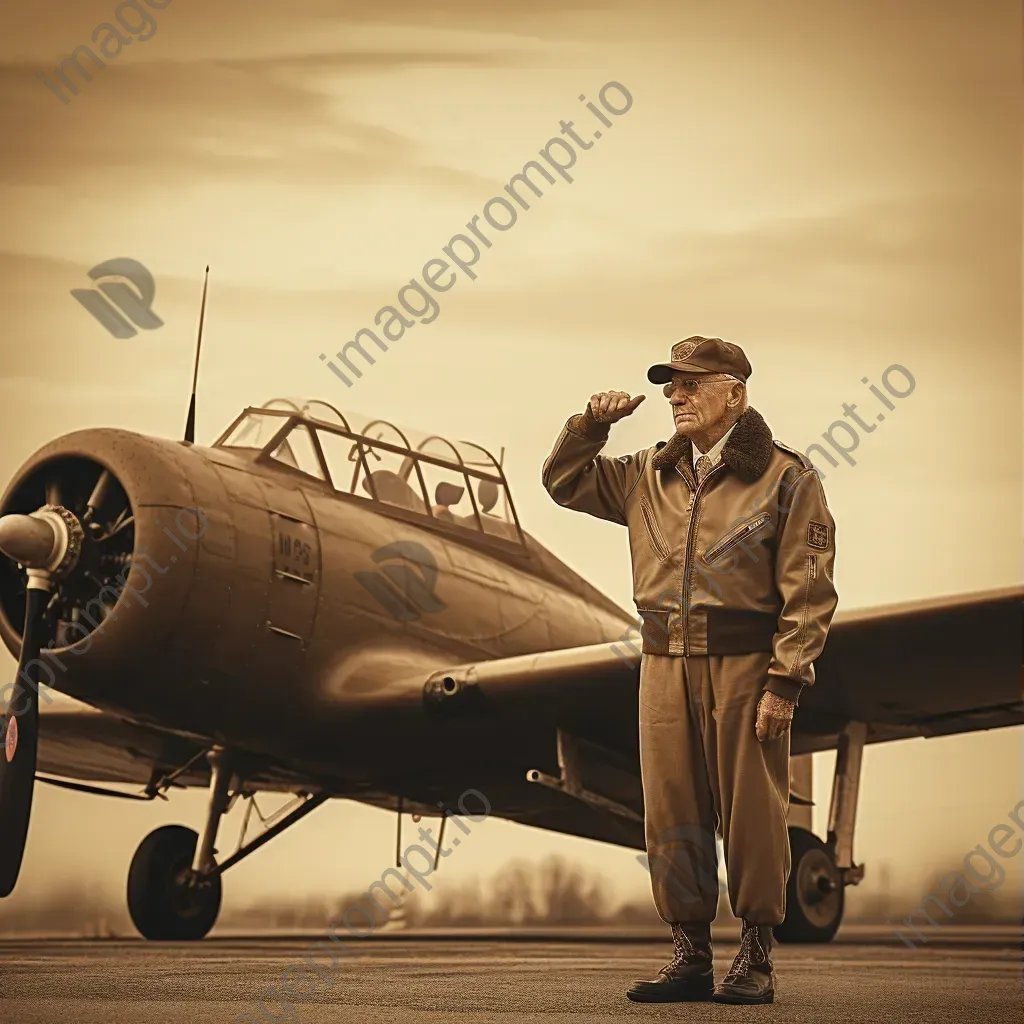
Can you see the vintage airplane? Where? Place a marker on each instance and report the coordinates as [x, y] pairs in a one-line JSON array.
[[334, 608]]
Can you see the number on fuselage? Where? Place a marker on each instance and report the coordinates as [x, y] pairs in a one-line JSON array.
[[293, 591]]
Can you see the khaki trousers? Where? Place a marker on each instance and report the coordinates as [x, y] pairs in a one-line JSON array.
[[704, 771]]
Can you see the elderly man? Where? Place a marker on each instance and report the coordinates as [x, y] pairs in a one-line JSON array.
[[732, 546]]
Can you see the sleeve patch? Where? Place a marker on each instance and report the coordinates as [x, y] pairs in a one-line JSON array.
[[818, 535]]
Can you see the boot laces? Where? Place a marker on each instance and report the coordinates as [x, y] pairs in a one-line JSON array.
[[751, 953], [686, 951]]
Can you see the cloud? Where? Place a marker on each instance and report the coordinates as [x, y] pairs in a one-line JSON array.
[[246, 91], [928, 262], [273, 118]]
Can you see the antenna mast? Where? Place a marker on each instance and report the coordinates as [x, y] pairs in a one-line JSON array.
[[190, 422]]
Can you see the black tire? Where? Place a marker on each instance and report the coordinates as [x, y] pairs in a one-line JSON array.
[[814, 892], [162, 903]]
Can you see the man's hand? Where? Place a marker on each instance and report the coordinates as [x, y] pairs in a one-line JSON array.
[[610, 406], [774, 715]]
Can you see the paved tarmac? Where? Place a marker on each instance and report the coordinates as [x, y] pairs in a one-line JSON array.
[[554, 977]]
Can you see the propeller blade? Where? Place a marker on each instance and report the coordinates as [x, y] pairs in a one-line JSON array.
[[53, 493], [21, 740], [64, 633]]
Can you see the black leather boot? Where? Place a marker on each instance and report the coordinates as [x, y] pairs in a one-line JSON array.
[[751, 979], [688, 977]]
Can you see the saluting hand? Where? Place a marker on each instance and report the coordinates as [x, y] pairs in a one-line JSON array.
[[610, 406], [774, 715]]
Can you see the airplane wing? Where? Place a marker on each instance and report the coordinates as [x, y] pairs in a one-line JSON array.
[[80, 742], [924, 668]]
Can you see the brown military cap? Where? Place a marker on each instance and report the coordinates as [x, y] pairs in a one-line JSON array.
[[702, 355]]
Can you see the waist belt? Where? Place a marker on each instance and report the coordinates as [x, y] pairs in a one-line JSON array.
[[730, 631], [740, 632]]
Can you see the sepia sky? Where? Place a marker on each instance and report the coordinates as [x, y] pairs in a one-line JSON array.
[[834, 186]]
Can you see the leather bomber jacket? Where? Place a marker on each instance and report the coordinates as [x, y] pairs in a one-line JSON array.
[[755, 542]]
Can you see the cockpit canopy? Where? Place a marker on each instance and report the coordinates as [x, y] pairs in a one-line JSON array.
[[452, 482]]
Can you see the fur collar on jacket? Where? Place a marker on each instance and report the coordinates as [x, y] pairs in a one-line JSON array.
[[746, 453]]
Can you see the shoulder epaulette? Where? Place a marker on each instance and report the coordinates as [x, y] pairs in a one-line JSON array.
[[804, 461]]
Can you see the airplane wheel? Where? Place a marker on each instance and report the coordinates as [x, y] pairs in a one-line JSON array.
[[814, 892], [163, 899]]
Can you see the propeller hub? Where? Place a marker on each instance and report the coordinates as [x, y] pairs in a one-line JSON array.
[[49, 539]]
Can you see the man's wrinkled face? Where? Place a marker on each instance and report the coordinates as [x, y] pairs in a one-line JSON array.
[[699, 401]]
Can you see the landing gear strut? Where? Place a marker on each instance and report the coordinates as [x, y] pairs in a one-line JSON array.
[[821, 870], [174, 887], [174, 882]]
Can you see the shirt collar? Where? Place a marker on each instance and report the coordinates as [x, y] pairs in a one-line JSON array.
[[715, 454]]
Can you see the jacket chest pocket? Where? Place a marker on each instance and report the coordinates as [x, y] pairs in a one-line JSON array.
[[746, 529], [654, 534]]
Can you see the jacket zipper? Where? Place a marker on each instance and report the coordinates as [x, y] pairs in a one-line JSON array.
[[685, 603], [744, 531], [654, 533]]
